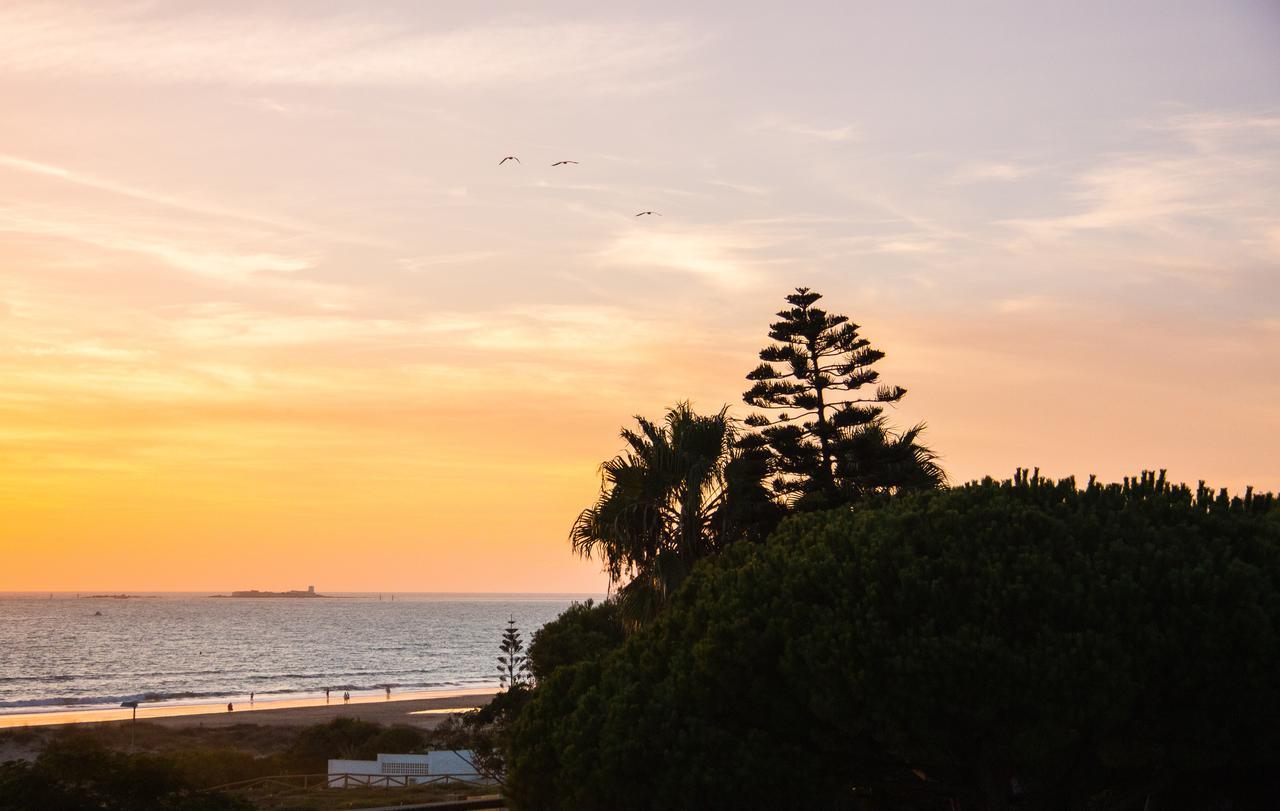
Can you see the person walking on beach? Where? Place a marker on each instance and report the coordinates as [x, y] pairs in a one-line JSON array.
[[229, 707], [250, 698], [388, 692], [346, 698], [326, 695]]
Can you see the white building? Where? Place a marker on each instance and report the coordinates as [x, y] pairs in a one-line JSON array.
[[404, 770]]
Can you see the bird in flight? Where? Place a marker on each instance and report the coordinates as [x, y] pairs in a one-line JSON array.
[[562, 163], [509, 158], [642, 213]]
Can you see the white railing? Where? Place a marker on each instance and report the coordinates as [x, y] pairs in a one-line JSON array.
[[347, 780]]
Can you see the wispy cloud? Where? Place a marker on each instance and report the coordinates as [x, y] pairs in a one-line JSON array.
[[1023, 304], [749, 189], [982, 171], [1215, 177], [19, 164], [314, 50], [1210, 131], [517, 333], [721, 257], [1129, 193], [88, 180], [221, 264], [93, 350], [235, 325], [832, 133], [908, 246], [416, 264], [1272, 241]]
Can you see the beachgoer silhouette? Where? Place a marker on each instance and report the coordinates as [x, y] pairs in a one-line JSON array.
[[229, 707], [346, 697], [326, 695], [388, 692], [251, 698]]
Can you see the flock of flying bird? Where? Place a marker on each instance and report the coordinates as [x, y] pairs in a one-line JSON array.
[[562, 163]]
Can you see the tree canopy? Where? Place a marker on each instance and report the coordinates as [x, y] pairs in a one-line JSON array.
[[1021, 641], [681, 491], [830, 441], [583, 631]]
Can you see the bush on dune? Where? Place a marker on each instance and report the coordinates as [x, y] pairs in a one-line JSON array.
[[348, 738], [206, 767], [77, 772], [87, 769], [1023, 641]]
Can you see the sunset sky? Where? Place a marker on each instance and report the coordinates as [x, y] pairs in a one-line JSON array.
[[271, 314]]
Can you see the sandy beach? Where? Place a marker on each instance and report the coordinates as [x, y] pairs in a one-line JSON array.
[[422, 709]]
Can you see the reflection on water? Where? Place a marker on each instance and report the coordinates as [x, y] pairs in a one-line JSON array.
[[57, 653]]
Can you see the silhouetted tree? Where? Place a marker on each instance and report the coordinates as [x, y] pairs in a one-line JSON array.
[[831, 443], [681, 491], [513, 665]]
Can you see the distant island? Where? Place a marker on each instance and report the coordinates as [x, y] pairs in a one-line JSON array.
[[292, 595]]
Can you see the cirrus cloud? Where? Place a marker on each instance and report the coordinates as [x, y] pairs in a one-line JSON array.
[[51, 40]]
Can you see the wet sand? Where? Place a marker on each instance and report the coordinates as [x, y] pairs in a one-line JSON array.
[[416, 709]]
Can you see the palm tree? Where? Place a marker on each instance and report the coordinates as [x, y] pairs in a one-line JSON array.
[[877, 460], [681, 491]]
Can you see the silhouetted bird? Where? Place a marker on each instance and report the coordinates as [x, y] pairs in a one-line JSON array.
[[562, 163], [509, 158], [642, 213]]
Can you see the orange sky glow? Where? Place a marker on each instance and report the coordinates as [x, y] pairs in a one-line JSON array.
[[272, 316]]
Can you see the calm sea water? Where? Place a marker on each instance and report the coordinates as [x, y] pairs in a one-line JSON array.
[[56, 653]]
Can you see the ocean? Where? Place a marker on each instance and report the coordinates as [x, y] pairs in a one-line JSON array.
[[58, 653]]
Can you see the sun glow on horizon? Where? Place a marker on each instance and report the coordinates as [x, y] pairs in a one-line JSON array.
[[271, 313]]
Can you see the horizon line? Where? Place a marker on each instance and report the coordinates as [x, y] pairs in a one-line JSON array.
[[335, 591]]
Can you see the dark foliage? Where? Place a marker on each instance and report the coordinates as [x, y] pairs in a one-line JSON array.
[[1021, 642], [484, 731], [683, 490], [347, 738], [207, 767], [76, 773], [830, 441], [584, 631]]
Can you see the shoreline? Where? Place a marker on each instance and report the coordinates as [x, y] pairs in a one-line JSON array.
[[275, 711]]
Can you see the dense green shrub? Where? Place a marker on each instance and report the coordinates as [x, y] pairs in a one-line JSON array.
[[76, 773], [1022, 641], [347, 738], [205, 767], [583, 631]]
